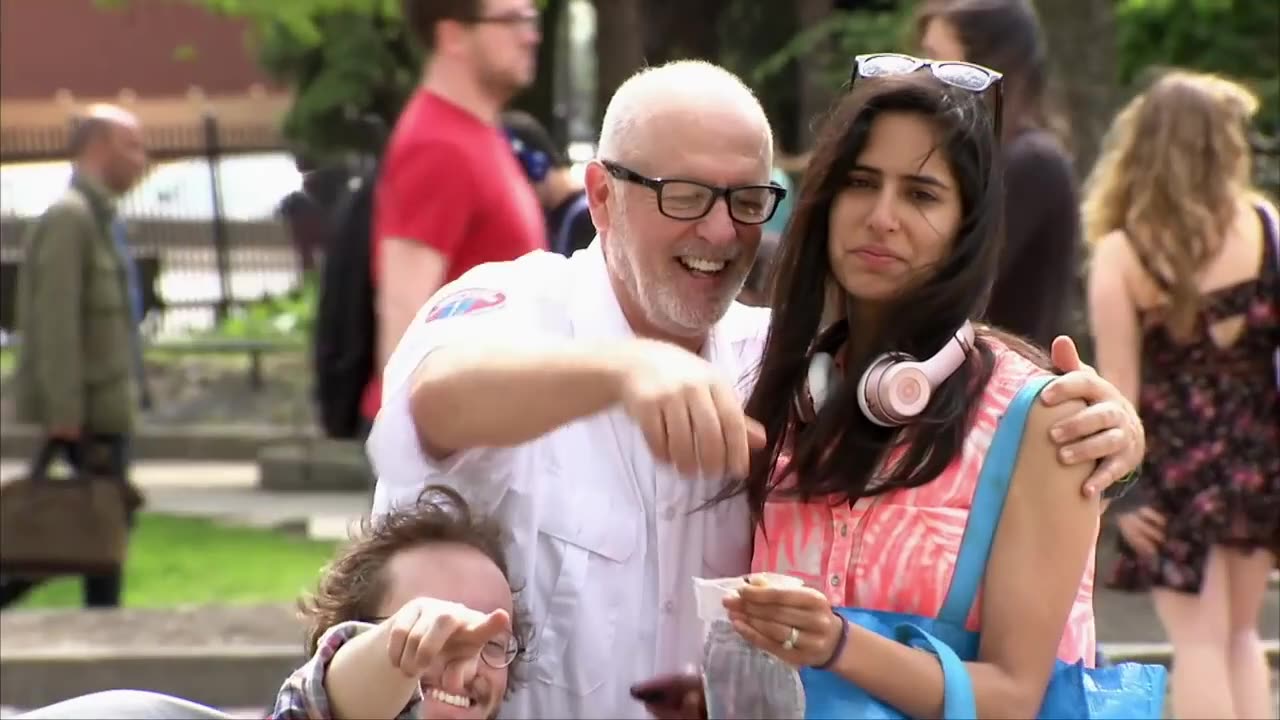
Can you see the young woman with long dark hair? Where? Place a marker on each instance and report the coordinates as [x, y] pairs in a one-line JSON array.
[[865, 485]]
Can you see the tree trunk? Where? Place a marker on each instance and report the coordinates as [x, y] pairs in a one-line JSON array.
[[539, 98], [619, 46], [815, 95], [677, 29], [1082, 42]]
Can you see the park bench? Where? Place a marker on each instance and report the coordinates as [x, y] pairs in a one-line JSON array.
[[148, 272], [254, 349]]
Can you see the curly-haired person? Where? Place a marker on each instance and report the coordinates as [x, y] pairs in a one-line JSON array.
[[416, 618]]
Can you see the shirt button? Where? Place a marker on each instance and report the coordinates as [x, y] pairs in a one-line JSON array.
[[835, 581], [668, 607], [844, 530], [670, 513]]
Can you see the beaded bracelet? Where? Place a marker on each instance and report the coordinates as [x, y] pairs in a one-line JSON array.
[[844, 637]]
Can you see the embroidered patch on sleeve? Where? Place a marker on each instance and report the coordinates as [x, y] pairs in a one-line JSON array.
[[466, 302]]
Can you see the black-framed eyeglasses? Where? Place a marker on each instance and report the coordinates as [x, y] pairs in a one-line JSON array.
[[531, 20], [497, 653], [681, 199], [964, 75]]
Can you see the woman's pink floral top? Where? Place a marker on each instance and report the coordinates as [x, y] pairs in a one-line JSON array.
[[896, 552]]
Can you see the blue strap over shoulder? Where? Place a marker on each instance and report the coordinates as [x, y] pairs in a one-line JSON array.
[[1074, 691], [988, 504]]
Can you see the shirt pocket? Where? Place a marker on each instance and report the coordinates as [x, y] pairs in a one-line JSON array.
[[586, 536]]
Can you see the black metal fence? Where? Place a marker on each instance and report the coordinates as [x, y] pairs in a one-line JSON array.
[[210, 225]]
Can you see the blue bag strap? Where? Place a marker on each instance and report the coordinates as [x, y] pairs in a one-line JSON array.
[[958, 701], [988, 503]]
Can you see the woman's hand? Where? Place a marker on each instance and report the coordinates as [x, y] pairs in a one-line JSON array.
[[767, 617], [1108, 432], [1142, 530]]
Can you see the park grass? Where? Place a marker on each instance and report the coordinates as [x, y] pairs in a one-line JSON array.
[[177, 561]]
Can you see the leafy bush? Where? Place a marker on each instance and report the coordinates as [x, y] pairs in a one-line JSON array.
[[285, 317], [1234, 37]]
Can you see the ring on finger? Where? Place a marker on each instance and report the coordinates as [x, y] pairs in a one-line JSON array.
[[792, 638]]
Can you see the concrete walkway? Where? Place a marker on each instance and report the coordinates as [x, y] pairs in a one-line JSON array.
[[256, 713], [1127, 625], [228, 491]]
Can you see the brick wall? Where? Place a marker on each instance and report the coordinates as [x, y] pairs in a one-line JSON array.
[[52, 45]]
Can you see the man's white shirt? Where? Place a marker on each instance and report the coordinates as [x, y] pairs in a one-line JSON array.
[[604, 539]]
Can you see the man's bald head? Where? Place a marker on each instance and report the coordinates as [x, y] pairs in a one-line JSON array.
[[106, 143], [653, 100], [688, 123], [96, 122]]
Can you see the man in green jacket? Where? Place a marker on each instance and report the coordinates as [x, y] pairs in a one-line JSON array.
[[78, 305]]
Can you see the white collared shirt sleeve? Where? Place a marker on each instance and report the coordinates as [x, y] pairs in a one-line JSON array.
[[505, 306], [604, 540]]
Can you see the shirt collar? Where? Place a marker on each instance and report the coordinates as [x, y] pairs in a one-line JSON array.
[[97, 192]]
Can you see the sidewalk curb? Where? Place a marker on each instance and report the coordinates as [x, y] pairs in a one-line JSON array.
[[249, 676], [150, 442], [244, 676], [286, 460], [1162, 653]]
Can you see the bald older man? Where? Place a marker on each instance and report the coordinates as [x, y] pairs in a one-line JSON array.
[[79, 366], [564, 395]]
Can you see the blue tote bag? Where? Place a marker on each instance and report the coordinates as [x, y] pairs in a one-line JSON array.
[[1127, 691]]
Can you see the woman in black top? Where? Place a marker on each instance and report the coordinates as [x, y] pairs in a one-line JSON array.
[[1033, 289]]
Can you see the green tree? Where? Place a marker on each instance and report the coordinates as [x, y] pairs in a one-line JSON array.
[[1234, 37], [1237, 38], [350, 78], [351, 65]]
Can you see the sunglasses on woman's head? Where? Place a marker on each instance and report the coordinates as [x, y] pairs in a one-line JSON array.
[[963, 75]]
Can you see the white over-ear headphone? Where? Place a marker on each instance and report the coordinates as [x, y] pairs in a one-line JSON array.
[[894, 389]]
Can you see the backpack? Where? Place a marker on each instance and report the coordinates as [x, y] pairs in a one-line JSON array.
[[344, 340], [562, 239]]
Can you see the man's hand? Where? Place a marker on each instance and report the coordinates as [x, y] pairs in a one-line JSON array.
[[428, 634], [1108, 431], [1142, 530], [690, 416]]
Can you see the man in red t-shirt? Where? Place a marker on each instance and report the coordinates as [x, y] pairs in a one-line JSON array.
[[450, 194]]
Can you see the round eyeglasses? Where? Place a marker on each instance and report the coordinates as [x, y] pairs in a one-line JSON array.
[[520, 20], [681, 199], [500, 652]]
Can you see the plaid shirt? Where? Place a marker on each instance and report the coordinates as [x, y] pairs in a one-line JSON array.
[[303, 697]]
